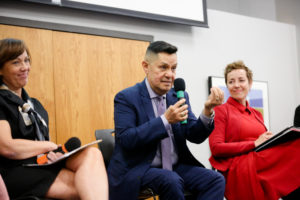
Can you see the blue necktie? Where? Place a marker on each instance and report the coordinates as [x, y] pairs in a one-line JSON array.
[[166, 142]]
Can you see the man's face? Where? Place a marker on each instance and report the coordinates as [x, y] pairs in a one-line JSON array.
[[161, 71]]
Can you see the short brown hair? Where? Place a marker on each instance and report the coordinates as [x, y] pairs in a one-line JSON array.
[[238, 65], [10, 49]]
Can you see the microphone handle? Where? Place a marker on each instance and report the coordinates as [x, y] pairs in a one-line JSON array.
[[180, 95], [60, 149], [43, 158], [184, 121]]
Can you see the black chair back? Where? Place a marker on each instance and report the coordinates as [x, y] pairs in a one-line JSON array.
[[297, 117], [108, 143], [107, 147]]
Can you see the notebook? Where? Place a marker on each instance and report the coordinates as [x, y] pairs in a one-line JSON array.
[[66, 155], [287, 134]]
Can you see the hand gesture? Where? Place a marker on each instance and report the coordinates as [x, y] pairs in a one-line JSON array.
[[263, 137], [215, 98], [177, 112]]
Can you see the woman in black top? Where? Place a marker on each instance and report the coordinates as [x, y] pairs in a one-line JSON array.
[[23, 137]]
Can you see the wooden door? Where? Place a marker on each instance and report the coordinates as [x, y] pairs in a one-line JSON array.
[[88, 72], [40, 84], [76, 76]]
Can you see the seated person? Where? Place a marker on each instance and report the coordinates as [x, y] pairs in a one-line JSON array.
[[151, 150], [268, 174], [82, 176]]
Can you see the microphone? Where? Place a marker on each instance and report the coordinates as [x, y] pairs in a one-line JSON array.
[[179, 87], [297, 117], [70, 145]]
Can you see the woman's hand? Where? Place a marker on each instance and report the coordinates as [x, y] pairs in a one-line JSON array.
[[53, 156], [263, 137]]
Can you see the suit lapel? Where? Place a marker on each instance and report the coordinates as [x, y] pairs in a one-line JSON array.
[[171, 98], [146, 101]]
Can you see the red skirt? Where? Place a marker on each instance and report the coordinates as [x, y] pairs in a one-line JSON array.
[[265, 175]]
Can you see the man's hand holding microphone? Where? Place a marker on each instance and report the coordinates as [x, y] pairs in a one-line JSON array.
[[179, 111]]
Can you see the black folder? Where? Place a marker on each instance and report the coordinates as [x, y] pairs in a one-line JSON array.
[[285, 135]]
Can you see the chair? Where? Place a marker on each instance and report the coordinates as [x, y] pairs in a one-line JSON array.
[[107, 147]]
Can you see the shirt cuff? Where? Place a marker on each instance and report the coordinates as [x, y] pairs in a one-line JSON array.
[[166, 123], [207, 121]]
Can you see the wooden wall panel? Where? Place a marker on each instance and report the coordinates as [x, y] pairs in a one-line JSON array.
[[40, 83], [76, 77], [88, 72]]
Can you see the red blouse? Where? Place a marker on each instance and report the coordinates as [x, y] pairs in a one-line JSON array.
[[268, 174], [236, 129]]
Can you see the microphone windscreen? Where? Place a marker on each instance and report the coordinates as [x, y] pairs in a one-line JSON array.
[[179, 84], [72, 143]]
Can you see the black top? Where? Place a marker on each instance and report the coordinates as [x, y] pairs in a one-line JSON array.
[[9, 110], [33, 181]]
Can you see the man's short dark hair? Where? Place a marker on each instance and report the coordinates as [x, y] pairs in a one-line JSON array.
[[161, 46]]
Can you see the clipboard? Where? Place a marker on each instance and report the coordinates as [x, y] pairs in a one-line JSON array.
[[66, 155], [289, 133]]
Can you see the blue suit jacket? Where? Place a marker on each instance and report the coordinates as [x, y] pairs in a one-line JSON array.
[[138, 133]]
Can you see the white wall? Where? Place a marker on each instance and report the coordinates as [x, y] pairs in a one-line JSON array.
[[268, 48], [265, 9], [287, 11]]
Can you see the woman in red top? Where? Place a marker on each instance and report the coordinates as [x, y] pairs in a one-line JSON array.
[[268, 174]]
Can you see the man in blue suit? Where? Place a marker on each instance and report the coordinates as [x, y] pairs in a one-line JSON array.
[[151, 149]]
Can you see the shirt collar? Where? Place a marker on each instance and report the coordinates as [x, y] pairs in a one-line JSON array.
[[239, 106], [24, 95], [151, 92]]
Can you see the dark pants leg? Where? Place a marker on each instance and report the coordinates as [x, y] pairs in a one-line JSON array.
[[206, 184], [165, 183]]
